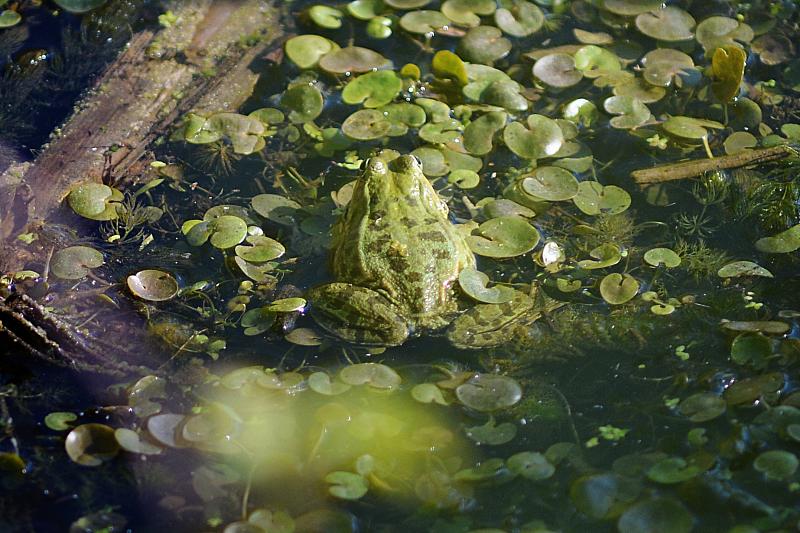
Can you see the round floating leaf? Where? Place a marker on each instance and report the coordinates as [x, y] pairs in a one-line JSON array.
[[91, 444], [773, 49], [715, 32], [366, 125], [484, 44], [433, 161], [303, 102], [672, 470], [663, 66], [464, 178], [306, 50], [347, 485], [132, 442], [594, 61], [633, 113], [595, 495], [446, 64], [441, 132], [531, 465], [379, 27], [245, 133], [552, 184], [689, 127], [326, 17], [489, 392], [95, 201], [352, 59], [743, 268], [402, 116], [373, 374], [657, 515], [374, 89], [490, 434], [261, 249], [79, 6], [321, 383], [9, 18], [406, 4], [748, 390], [479, 134], [739, 141], [164, 429], [502, 237], [727, 68], [505, 94], [304, 337], [223, 232], [641, 90], [276, 208], [473, 282], [782, 243], [751, 349], [424, 22], [764, 326], [257, 321], [428, 393], [618, 288], [75, 262], [662, 256], [467, 12], [522, 18], [629, 8], [594, 198], [489, 470], [557, 70], [606, 255], [287, 305], [778, 465], [60, 420], [702, 407], [153, 285], [542, 138], [667, 24]]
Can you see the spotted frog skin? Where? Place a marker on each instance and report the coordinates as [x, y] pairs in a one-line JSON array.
[[395, 256]]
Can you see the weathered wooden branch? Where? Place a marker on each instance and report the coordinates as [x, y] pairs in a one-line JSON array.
[[695, 168], [197, 64]]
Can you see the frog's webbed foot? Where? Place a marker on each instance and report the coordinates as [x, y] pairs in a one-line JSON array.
[[357, 315]]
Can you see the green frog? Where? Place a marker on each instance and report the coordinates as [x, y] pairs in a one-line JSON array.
[[395, 256]]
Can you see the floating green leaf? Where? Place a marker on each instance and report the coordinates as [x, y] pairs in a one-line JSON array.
[[715, 32], [373, 89], [474, 283], [372, 374], [353, 59], [501, 237], [468, 12], [557, 70], [326, 17], [257, 321], [618, 288], [380, 27], [306, 50], [777, 464], [424, 22], [91, 444], [446, 64], [743, 268], [751, 349], [366, 125], [9, 18], [673, 469], [594, 198], [552, 184], [594, 61], [75, 262], [542, 138], [629, 8], [632, 112], [484, 44], [665, 66], [531, 465], [60, 420], [428, 393], [79, 6], [223, 232], [287, 305], [702, 407], [519, 18], [95, 201], [276, 208], [303, 102], [321, 383], [689, 127], [153, 285], [491, 434], [662, 256], [782, 243], [479, 134], [347, 485], [669, 23], [606, 255], [489, 392], [662, 515]]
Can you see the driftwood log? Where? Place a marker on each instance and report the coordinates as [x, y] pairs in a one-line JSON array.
[[196, 64]]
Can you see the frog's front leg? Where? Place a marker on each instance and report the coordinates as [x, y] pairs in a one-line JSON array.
[[357, 314]]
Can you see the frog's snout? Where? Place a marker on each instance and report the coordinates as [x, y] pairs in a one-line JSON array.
[[405, 163]]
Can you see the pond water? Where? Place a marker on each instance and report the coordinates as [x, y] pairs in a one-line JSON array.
[[577, 342]]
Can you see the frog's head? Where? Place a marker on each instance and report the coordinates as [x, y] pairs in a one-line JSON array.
[[392, 173]]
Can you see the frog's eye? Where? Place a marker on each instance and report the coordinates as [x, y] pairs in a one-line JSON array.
[[364, 164], [417, 159]]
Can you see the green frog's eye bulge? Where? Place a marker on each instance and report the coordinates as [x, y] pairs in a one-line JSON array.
[[376, 165]]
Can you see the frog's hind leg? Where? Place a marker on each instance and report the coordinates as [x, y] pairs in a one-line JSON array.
[[357, 315]]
